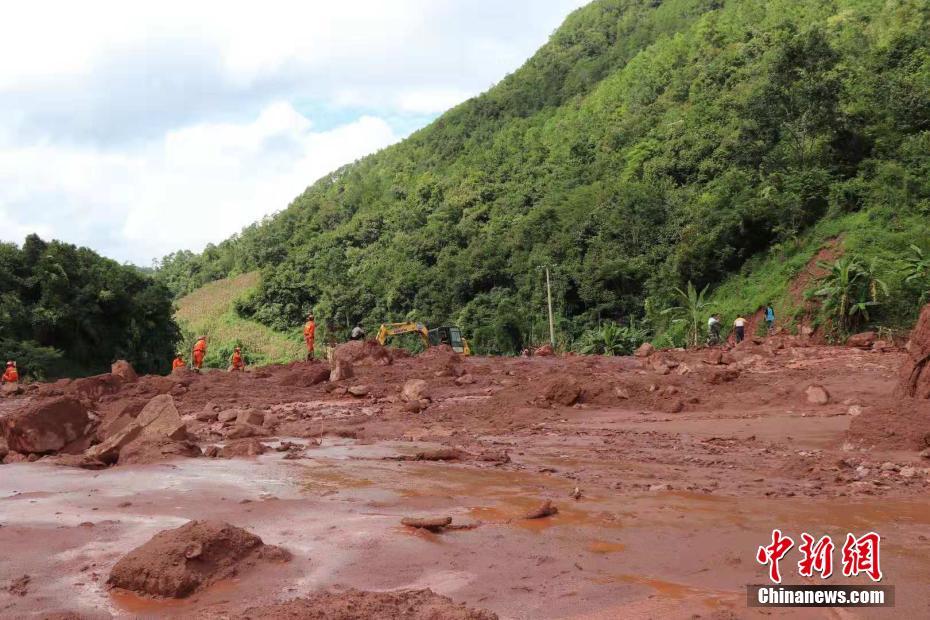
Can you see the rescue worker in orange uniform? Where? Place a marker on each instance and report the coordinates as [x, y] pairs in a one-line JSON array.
[[237, 363], [309, 334], [11, 375], [178, 362], [200, 352]]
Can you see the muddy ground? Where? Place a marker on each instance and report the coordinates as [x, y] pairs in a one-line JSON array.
[[668, 472]]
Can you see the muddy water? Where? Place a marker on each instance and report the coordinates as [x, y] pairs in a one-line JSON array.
[[666, 554]]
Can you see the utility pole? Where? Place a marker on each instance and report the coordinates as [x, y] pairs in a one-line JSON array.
[[551, 324]]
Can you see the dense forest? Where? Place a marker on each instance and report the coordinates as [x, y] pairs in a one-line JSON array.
[[649, 144], [65, 310]]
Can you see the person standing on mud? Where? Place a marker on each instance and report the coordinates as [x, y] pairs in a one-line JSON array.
[[739, 326], [770, 318], [237, 363], [11, 375], [713, 328], [200, 352], [309, 335], [178, 362]]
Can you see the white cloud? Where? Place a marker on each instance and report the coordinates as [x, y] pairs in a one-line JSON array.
[[142, 128], [197, 184]]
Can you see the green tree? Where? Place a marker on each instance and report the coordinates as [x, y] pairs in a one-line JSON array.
[[692, 311]]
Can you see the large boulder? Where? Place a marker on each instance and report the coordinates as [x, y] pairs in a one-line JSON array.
[[915, 372], [362, 352], [563, 391], [90, 389], [306, 376], [156, 449], [415, 390], [124, 370], [341, 371], [176, 563], [159, 420], [46, 426], [817, 395]]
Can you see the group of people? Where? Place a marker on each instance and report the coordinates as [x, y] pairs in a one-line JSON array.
[[199, 353], [739, 326]]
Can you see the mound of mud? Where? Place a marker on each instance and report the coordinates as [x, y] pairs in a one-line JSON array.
[[354, 604], [361, 352], [915, 374], [905, 426], [176, 563]]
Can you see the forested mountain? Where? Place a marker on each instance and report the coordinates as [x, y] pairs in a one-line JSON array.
[[649, 143], [65, 310]]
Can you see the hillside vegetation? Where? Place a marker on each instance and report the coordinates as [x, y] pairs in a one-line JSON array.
[[210, 311], [67, 311], [647, 145]]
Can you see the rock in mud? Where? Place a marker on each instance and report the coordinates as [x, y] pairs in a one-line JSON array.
[[157, 425], [359, 390], [46, 426], [427, 523], [546, 509], [862, 340], [363, 353], [242, 431], [242, 448], [176, 563], [307, 376], [415, 390], [565, 391], [155, 449], [714, 357], [124, 370], [441, 454], [341, 371], [721, 375], [465, 379], [355, 604], [493, 456], [915, 372], [644, 350], [675, 405], [228, 416], [250, 416], [817, 395]]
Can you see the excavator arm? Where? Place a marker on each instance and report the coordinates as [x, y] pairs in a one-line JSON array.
[[396, 329]]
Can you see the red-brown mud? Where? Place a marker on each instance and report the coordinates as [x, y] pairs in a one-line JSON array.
[[668, 471]]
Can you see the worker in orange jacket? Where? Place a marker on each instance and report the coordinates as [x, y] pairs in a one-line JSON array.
[[237, 363], [11, 375], [200, 352], [178, 362], [309, 334]]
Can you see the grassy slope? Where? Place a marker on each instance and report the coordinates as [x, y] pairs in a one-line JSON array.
[[209, 311], [772, 277]]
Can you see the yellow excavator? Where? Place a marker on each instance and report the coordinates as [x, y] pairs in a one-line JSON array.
[[448, 334]]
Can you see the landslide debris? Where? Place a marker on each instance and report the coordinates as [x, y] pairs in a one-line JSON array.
[[176, 563], [355, 604]]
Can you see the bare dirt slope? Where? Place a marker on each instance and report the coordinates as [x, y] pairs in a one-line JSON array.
[[667, 472]]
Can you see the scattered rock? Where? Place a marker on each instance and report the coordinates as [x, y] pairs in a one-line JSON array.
[[440, 454], [242, 431], [415, 390], [714, 357], [644, 350], [242, 448], [817, 395], [11, 389], [229, 415], [427, 523], [124, 370], [563, 391], [207, 415], [674, 406], [46, 426], [176, 563], [341, 371], [250, 417], [546, 509], [908, 472], [307, 376], [722, 375], [493, 456], [544, 351], [19, 586], [359, 390], [155, 449], [622, 393], [465, 379]]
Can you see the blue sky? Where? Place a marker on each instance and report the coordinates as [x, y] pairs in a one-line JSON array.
[[140, 129]]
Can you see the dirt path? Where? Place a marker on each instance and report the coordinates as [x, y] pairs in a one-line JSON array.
[[671, 506]]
